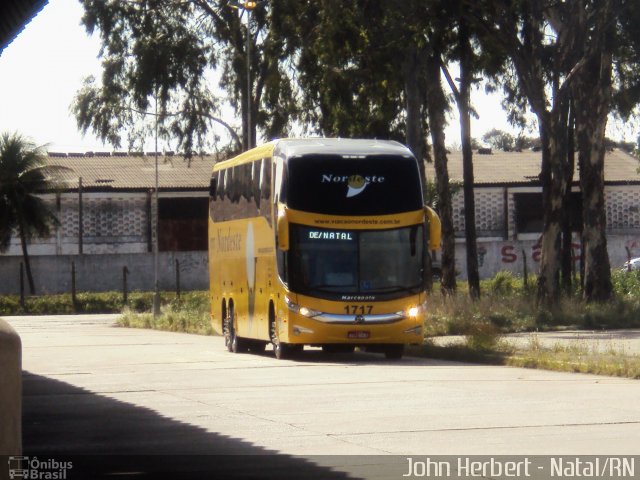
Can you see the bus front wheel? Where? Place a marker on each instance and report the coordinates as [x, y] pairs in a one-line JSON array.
[[281, 350]]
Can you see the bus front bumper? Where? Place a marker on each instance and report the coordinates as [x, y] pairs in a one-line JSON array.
[[343, 329]]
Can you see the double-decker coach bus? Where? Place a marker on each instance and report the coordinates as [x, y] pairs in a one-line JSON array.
[[319, 242]]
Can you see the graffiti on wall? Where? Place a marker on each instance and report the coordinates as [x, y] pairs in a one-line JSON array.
[[632, 248], [510, 253]]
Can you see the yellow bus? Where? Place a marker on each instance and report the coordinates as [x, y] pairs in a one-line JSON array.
[[319, 242]]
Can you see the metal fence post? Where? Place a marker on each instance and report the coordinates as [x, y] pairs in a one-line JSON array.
[[178, 278], [22, 284], [73, 285], [125, 272]]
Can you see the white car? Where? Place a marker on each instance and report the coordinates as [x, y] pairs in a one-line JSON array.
[[633, 264]]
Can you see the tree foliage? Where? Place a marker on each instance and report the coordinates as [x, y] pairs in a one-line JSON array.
[[24, 174], [358, 68], [159, 59]]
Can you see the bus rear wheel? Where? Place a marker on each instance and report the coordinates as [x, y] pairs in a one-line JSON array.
[[233, 343], [239, 345], [228, 334]]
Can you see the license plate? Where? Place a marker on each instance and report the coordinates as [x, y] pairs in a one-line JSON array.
[[359, 335]]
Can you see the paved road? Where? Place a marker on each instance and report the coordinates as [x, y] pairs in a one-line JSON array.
[[92, 388]]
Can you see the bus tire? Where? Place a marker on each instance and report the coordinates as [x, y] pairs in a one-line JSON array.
[[239, 345], [233, 343], [280, 350], [228, 334]]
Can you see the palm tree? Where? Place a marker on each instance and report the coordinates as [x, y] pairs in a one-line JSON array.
[[23, 174]]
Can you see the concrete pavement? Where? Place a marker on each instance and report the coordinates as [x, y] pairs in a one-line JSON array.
[[93, 389]]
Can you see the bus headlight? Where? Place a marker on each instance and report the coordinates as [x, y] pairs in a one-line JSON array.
[[414, 312], [304, 311]]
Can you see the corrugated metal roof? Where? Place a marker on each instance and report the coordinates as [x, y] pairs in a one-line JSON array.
[[511, 168], [101, 171], [106, 171]]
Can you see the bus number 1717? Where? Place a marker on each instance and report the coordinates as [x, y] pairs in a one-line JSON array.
[[358, 309]]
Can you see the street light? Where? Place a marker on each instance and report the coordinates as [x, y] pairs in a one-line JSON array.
[[247, 6], [156, 246], [155, 233]]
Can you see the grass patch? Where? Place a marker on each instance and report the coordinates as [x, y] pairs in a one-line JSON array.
[[572, 356], [96, 302], [189, 314], [86, 302], [567, 359], [508, 306]]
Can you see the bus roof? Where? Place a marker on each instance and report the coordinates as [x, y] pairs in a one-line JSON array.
[[295, 147]]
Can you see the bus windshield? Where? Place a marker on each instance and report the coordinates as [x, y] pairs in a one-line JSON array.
[[376, 264], [372, 185]]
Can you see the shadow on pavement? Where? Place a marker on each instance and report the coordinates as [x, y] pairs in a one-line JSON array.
[[108, 438]]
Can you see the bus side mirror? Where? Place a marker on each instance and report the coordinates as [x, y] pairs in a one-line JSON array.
[[435, 228], [282, 227]]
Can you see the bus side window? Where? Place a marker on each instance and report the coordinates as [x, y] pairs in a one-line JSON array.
[[234, 185], [265, 179], [246, 181], [256, 168], [213, 186], [278, 181], [223, 184]]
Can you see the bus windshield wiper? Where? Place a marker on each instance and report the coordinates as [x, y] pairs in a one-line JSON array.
[[395, 288], [322, 286]]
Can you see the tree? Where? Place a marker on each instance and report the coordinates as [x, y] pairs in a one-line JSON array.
[[548, 57], [579, 57], [363, 71], [436, 107], [469, 65], [161, 52], [500, 140], [594, 28], [23, 174]]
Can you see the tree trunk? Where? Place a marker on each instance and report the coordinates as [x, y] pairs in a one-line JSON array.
[[554, 185], [464, 100], [566, 252], [413, 105], [593, 94], [436, 105]]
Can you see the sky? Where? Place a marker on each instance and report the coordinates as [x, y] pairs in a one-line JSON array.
[[43, 68]]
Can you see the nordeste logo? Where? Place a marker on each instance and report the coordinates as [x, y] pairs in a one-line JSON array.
[[355, 183]]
